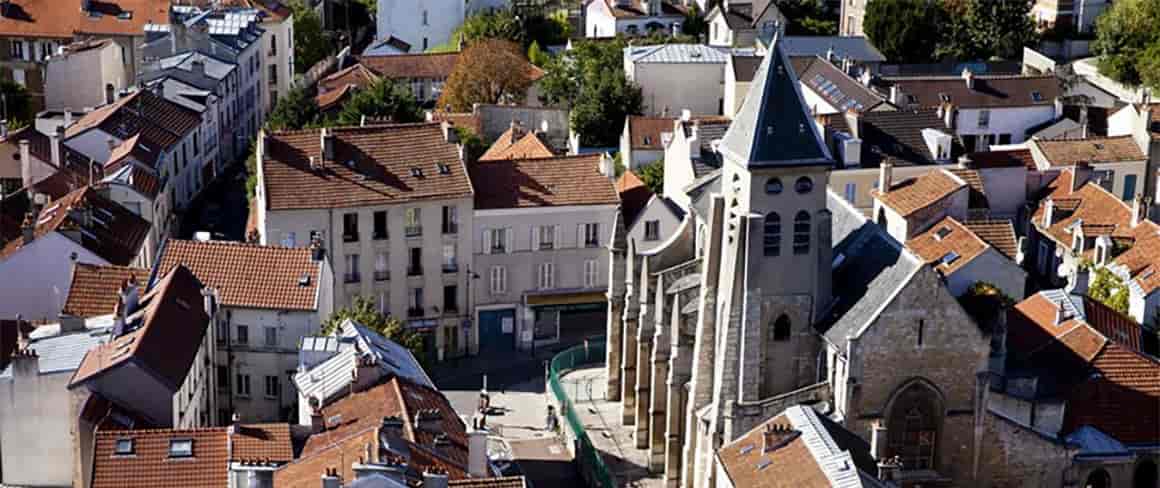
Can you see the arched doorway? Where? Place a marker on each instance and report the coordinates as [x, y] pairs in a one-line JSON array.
[[1145, 475], [913, 425], [1098, 479]]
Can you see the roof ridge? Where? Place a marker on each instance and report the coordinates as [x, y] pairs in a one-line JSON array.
[[252, 245], [1081, 139]]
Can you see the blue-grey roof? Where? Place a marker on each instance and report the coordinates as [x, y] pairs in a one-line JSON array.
[[214, 68], [183, 93], [327, 378], [677, 53], [774, 127], [871, 268], [1094, 443], [856, 48], [60, 353]]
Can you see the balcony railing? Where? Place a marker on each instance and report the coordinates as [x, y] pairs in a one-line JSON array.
[[450, 268], [415, 311], [414, 270], [382, 275], [351, 277], [413, 230], [351, 237]]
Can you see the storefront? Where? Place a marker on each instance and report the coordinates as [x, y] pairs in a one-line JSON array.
[[553, 318]]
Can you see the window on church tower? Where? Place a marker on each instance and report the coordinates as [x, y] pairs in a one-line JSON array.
[[772, 234], [781, 328], [801, 233], [773, 186], [803, 185]]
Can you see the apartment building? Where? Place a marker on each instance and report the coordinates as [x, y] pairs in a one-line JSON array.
[[85, 74], [542, 234], [392, 207]]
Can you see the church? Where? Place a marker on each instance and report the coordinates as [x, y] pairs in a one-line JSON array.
[[775, 292]]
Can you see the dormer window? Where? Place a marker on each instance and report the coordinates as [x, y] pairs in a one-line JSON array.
[[417, 172], [648, 140], [443, 169], [124, 447], [949, 258], [1036, 96], [942, 233], [181, 448]]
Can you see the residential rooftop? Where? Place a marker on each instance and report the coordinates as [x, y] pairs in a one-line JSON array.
[[249, 275], [985, 91], [66, 19], [913, 194], [96, 288], [100, 225], [1069, 152], [558, 181]]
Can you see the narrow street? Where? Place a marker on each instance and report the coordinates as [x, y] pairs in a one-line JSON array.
[[221, 209]]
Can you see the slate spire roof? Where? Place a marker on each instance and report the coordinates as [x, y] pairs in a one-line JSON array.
[[774, 127]]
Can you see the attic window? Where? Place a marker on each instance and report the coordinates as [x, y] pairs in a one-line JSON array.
[[443, 169], [949, 258], [1036, 96], [942, 233], [647, 140], [304, 280], [124, 447], [125, 15], [944, 97], [181, 448], [417, 172]]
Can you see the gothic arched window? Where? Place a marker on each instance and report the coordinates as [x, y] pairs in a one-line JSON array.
[[772, 242], [801, 233], [781, 328], [1098, 479], [913, 426]]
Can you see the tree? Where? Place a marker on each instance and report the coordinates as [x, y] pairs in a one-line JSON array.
[[984, 29], [906, 31], [590, 80], [536, 55], [653, 176], [984, 302], [473, 146], [498, 24], [808, 18], [549, 30], [1128, 42], [16, 104], [1109, 289], [310, 45], [294, 110], [488, 71], [364, 313], [694, 25], [383, 99]]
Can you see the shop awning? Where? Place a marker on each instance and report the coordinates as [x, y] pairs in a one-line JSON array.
[[567, 298]]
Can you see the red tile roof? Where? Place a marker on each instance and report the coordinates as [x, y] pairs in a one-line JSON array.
[[95, 288], [1068, 152], [333, 98], [110, 230], [356, 74], [648, 133], [943, 238], [1000, 234], [159, 122], [634, 196], [340, 454], [466, 120], [1003, 159], [567, 180], [790, 462], [65, 18], [248, 275], [165, 338], [268, 442], [412, 66], [516, 143], [988, 92], [384, 160], [913, 194]]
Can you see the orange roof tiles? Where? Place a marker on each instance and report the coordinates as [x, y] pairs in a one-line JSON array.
[[412, 66], [333, 98], [383, 163], [1000, 234], [648, 132], [340, 453], [102, 226], [914, 194], [1068, 152], [270, 442], [95, 288], [634, 195], [790, 463], [943, 238], [249, 275], [66, 19], [516, 143], [566, 180], [356, 75]]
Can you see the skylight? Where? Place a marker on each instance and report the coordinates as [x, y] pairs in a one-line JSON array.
[[443, 169], [949, 258], [942, 233], [124, 447], [180, 448], [417, 172]]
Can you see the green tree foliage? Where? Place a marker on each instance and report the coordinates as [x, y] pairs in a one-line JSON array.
[[1109, 289], [985, 29], [294, 110], [16, 104], [808, 18], [590, 80], [906, 31], [548, 30], [695, 25], [537, 56], [310, 44], [473, 146], [383, 99], [1128, 42], [488, 71], [506, 25], [984, 302], [364, 312], [653, 175]]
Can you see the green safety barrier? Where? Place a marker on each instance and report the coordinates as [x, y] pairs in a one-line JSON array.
[[588, 459]]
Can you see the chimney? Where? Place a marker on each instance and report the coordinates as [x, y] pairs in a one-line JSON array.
[[885, 176], [198, 67], [695, 140], [865, 77], [25, 363], [68, 121], [1061, 315], [316, 250], [969, 78], [949, 114], [1078, 285], [477, 464], [317, 422], [896, 96], [606, 166], [129, 297], [544, 126], [878, 440], [28, 229], [449, 134], [327, 144], [366, 372], [70, 324], [1138, 210], [1048, 212], [209, 300], [330, 479], [434, 479], [25, 164], [854, 122], [686, 115], [54, 145], [830, 54]]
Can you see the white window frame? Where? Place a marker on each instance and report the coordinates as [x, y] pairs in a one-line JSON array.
[[497, 278], [242, 385], [269, 333], [652, 236], [590, 273], [546, 276]]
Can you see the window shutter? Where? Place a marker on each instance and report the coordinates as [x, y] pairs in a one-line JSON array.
[[486, 241], [580, 235], [535, 240], [510, 235], [557, 238]]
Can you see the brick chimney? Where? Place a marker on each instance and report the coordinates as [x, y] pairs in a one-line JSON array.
[[477, 464], [885, 176], [1048, 212], [317, 421]]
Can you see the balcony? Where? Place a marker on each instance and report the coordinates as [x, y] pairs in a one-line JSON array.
[[379, 236], [451, 309], [382, 275], [413, 230], [351, 237], [414, 271], [450, 268], [415, 311], [351, 277]]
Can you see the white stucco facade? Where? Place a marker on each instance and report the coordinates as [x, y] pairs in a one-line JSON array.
[[989, 267], [88, 78], [37, 415], [656, 213], [278, 49], [1000, 125], [599, 21], [423, 24], [674, 87], [45, 270]]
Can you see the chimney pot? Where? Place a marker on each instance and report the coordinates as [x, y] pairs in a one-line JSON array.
[[969, 78], [28, 229]]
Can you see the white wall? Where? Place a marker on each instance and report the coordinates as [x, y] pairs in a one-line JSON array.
[[719, 32], [281, 34], [44, 269], [78, 80], [1006, 190], [1014, 121], [258, 360], [698, 87], [36, 419], [990, 267], [656, 210], [404, 20], [598, 21]]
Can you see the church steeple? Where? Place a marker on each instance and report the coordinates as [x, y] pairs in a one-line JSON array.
[[774, 127]]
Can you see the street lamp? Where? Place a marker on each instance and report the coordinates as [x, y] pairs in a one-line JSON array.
[[471, 277]]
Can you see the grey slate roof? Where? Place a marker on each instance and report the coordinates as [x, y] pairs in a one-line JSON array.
[[835, 86], [328, 377], [856, 48], [710, 159], [676, 54], [774, 127], [60, 353], [838, 461], [873, 268]]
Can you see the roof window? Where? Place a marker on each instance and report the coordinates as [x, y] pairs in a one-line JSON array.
[[942, 233], [443, 168], [1036, 96], [949, 258], [180, 448], [125, 15], [304, 280], [124, 447], [417, 172]]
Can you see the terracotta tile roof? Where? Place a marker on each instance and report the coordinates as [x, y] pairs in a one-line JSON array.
[[248, 275], [1000, 234], [634, 195], [333, 98], [978, 193], [1068, 152], [648, 132], [988, 92], [269, 442], [384, 157], [340, 454], [164, 339], [635, 8], [111, 231], [159, 123], [566, 180], [95, 288], [504, 482], [64, 18], [947, 245], [38, 144], [356, 75], [412, 66], [914, 194], [1003, 159], [467, 120], [1123, 401], [516, 143], [151, 465]]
